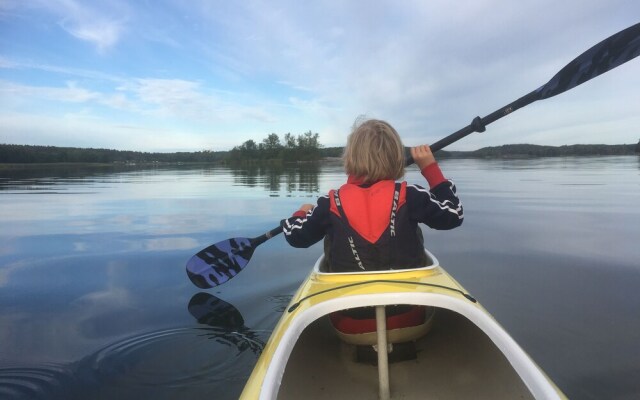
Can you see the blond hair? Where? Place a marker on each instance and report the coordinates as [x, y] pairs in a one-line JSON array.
[[374, 152]]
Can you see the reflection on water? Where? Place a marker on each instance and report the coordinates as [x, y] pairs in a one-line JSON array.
[[281, 301], [278, 179], [95, 302], [61, 178]]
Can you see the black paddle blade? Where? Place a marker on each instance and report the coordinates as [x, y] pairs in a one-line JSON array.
[[219, 262], [604, 56], [210, 310]]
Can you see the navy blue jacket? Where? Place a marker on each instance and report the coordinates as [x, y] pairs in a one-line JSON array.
[[375, 226]]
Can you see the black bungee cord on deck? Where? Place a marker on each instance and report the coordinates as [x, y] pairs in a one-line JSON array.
[[297, 304]]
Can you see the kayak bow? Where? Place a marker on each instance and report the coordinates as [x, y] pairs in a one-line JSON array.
[[465, 354]]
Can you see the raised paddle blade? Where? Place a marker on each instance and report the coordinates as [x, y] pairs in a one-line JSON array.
[[219, 262], [604, 56]]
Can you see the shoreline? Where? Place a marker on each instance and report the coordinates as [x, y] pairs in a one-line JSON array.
[[323, 161]]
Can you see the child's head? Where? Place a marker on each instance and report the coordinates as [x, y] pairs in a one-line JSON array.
[[374, 152]]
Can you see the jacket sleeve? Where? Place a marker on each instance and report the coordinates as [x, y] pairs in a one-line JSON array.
[[305, 230], [439, 208]]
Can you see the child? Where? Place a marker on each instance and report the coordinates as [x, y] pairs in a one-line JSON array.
[[371, 222]]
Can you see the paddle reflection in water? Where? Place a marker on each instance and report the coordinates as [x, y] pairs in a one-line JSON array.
[[229, 326]]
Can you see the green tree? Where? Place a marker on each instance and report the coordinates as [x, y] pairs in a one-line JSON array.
[[272, 141], [249, 145], [271, 147], [308, 146], [248, 150], [289, 141], [290, 147]]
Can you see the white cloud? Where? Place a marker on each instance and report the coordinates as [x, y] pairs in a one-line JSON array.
[[99, 23], [173, 103], [6, 63], [92, 75], [82, 129], [187, 99], [70, 93], [103, 34]]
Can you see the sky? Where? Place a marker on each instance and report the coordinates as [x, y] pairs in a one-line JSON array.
[[173, 75]]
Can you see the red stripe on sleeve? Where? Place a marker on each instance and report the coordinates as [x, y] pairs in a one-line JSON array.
[[433, 174]]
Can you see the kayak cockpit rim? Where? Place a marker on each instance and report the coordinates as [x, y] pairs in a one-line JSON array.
[[401, 276], [432, 263], [534, 379]]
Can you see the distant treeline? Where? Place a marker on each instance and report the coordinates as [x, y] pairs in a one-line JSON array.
[[12, 153], [530, 150], [304, 147]]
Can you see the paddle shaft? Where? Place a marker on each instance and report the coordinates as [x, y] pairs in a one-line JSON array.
[[257, 241], [479, 124]]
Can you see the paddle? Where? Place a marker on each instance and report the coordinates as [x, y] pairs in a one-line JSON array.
[[222, 261]]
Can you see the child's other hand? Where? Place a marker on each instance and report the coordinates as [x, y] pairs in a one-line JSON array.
[[422, 156], [306, 207]]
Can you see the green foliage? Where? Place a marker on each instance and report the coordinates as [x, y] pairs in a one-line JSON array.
[[304, 147], [289, 141], [332, 151]]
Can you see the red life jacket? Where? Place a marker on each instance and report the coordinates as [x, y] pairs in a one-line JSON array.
[[371, 229]]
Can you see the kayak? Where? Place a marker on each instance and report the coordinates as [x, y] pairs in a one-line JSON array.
[[455, 350]]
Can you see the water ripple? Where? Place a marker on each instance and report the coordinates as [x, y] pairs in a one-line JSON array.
[[176, 357], [188, 361], [44, 381]]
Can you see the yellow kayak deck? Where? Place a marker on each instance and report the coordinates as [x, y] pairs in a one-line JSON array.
[[466, 355]]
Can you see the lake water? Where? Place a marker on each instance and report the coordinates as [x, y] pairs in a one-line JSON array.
[[95, 302]]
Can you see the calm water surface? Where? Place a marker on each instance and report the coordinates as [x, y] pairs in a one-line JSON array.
[[95, 302]]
